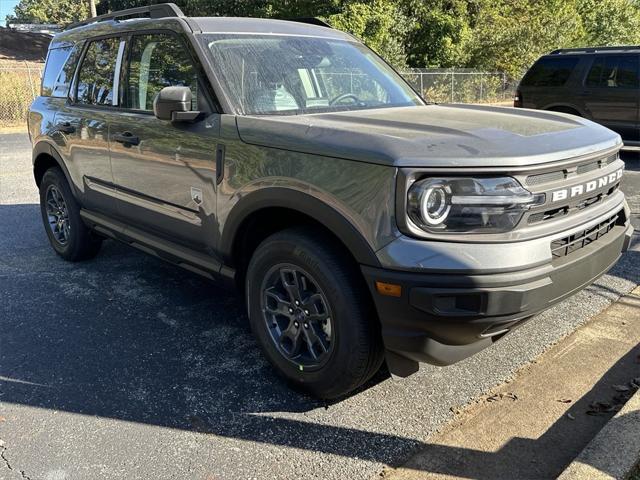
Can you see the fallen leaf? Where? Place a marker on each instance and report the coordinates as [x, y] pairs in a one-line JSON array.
[[564, 400], [620, 388], [600, 408], [500, 396]]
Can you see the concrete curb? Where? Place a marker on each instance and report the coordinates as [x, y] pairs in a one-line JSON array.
[[614, 451]]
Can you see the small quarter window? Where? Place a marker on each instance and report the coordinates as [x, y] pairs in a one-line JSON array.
[[58, 72], [157, 61], [96, 77]]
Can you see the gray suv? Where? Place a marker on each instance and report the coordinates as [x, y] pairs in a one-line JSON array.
[[361, 224]]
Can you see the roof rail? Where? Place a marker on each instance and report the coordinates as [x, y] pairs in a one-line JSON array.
[[311, 21], [161, 10], [621, 48]]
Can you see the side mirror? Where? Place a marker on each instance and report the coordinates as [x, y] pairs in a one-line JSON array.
[[174, 104]]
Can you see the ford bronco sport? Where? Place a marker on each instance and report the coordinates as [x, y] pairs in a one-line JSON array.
[[360, 223]]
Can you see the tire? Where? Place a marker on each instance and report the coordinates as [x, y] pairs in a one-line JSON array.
[[568, 110], [69, 237], [340, 325]]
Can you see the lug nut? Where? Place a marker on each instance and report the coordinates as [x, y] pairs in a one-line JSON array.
[[296, 324], [290, 310], [297, 302], [306, 325], [306, 312]]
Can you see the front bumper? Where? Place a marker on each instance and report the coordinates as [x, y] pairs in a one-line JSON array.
[[442, 318]]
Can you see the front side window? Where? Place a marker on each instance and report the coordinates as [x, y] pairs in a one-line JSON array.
[[613, 72], [157, 61], [550, 72], [96, 78], [273, 74]]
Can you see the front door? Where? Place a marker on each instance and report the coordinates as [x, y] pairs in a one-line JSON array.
[[611, 93], [83, 124], [164, 172]]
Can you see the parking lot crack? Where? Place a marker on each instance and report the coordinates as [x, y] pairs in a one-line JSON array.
[[3, 450]]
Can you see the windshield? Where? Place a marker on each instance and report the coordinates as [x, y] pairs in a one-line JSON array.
[[273, 74]]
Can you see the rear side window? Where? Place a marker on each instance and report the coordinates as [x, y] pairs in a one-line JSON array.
[[157, 61], [613, 72], [58, 72], [96, 78], [550, 72]]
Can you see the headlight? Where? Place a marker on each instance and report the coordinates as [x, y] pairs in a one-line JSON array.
[[460, 204]]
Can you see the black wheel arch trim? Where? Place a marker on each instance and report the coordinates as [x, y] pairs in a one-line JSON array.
[[280, 197], [45, 148], [552, 107]]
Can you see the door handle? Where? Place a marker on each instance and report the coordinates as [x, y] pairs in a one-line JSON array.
[[65, 127], [126, 138]]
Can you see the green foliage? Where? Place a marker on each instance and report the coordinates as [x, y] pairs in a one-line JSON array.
[[440, 32], [609, 22], [510, 35], [497, 35], [380, 24], [50, 11]]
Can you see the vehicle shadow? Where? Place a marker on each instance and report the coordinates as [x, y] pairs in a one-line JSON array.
[[128, 337]]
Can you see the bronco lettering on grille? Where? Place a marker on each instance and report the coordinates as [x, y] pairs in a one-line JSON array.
[[576, 190]]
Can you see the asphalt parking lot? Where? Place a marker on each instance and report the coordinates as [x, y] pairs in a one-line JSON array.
[[126, 367]]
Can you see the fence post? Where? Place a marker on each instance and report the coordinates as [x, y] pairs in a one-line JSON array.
[[504, 85], [422, 84], [452, 85]]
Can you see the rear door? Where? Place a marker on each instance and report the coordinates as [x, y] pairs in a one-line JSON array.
[[164, 172], [610, 93], [83, 123], [549, 81]]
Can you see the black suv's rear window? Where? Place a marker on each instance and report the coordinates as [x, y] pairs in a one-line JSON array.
[[58, 72], [550, 72]]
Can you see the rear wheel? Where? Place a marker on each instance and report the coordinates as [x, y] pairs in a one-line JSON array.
[[67, 233], [565, 110], [311, 313]]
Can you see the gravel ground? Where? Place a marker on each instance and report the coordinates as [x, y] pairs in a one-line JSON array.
[[126, 367]]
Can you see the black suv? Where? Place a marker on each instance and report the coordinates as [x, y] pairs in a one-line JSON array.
[[289, 160], [600, 84]]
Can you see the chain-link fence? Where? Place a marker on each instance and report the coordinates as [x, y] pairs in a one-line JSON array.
[[461, 85], [19, 85]]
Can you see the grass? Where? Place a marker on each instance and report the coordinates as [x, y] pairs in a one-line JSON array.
[[17, 91]]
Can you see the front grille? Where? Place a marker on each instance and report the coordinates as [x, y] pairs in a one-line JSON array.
[[558, 175], [564, 246], [541, 178], [587, 167]]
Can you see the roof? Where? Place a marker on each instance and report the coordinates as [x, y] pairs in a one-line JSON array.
[[168, 15], [266, 26], [588, 50]]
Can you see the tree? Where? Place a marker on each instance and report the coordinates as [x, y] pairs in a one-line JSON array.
[[510, 35], [609, 22], [49, 11], [380, 24], [440, 32]]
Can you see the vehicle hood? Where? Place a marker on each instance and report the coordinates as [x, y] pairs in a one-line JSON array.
[[433, 135]]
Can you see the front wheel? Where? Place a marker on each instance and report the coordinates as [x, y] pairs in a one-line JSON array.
[[311, 312]]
